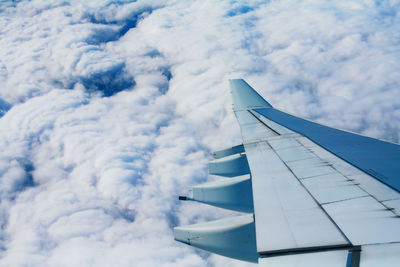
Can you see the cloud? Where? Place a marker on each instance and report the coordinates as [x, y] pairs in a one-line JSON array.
[[111, 108]]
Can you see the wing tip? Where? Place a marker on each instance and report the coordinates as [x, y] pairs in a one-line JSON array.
[[244, 96]]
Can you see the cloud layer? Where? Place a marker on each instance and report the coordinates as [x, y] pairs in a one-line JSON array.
[[109, 110]]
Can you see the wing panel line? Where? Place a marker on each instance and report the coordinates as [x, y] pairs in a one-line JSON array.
[[263, 122], [319, 204], [292, 251]]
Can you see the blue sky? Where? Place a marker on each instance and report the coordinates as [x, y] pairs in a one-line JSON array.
[[110, 109]]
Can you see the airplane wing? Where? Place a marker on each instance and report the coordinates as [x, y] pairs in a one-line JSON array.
[[311, 195]]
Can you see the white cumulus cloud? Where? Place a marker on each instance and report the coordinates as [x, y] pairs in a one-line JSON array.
[[109, 110]]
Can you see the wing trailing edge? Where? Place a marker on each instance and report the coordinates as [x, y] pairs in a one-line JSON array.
[[228, 151], [230, 166], [232, 237], [233, 194]]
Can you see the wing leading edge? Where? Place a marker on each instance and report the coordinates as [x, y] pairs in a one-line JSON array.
[[318, 195]]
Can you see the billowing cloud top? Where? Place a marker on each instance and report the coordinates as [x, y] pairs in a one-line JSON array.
[[109, 110]]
